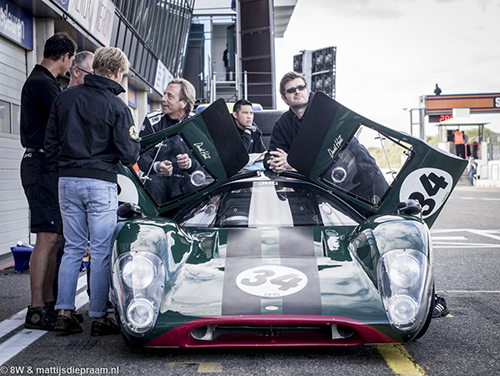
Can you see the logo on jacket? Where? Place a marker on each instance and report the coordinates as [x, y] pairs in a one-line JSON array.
[[132, 131]]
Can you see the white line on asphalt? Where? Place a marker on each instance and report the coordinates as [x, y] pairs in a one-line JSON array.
[[461, 230], [458, 241], [472, 292], [481, 199], [468, 245], [485, 233], [17, 319], [434, 238], [18, 342]]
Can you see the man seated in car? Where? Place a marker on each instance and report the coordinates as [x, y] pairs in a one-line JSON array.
[[362, 177], [168, 165], [249, 132]]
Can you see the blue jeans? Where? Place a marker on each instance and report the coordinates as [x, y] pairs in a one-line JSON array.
[[471, 177], [88, 210]]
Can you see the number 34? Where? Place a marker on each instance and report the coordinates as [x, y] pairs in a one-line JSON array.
[[285, 281]]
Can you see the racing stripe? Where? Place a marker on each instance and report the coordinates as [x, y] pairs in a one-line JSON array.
[[297, 251], [243, 252], [271, 256]]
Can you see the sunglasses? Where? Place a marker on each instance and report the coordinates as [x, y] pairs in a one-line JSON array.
[[293, 89], [83, 70]]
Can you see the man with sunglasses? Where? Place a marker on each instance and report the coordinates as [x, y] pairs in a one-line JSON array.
[[296, 94], [81, 66]]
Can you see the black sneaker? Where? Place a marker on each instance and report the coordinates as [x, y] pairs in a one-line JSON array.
[[440, 307], [40, 318], [68, 325]]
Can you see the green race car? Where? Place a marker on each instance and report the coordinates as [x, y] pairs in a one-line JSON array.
[[336, 252]]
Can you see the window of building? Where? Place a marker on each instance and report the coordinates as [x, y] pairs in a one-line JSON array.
[[5, 119]]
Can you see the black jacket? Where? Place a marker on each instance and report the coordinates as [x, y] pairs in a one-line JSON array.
[[166, 188], [253, 141], [90, 130], [285, 130], [157, 121]]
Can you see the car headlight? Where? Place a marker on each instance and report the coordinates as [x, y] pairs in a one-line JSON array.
[[138, 282], [405, 270], [140, 313], [404, 285], [138, 272], [403, 309]]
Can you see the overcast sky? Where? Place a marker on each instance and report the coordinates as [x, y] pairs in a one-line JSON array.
[[390, 52]]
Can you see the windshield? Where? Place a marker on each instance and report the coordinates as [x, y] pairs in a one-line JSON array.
[[267, 204], [170, 170]]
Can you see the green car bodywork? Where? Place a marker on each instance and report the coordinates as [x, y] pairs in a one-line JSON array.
[[333, 276]]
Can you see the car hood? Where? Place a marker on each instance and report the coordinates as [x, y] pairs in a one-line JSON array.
[[282, 271]]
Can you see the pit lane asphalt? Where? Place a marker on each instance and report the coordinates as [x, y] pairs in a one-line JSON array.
[[466, 240]]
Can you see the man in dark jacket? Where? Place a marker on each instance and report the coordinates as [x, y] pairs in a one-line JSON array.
[[90, 130], [39, 183], [296, 94], [167, 166], [249, 132]]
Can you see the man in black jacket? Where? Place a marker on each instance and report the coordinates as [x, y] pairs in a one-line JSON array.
[[90, 130], [249, 132], [167, 166], [296, 94], [39, 183]]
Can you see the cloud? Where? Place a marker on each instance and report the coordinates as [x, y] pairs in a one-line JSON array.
[[391, 52], [368, 9]]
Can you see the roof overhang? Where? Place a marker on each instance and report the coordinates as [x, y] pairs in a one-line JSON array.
[[464, 121], [283, 10]]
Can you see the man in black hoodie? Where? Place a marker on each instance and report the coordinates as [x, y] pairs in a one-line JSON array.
[[90, 130], [249, 132]]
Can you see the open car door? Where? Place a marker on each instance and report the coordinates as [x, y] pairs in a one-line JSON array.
[[213, 146], [372, 167]]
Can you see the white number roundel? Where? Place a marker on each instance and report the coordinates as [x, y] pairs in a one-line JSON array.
[[128, 191], [429, 186], [271, 281]]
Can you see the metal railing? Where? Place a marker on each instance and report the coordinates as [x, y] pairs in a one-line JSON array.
[[494, 147]]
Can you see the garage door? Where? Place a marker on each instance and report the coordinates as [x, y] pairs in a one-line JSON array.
[[13, 205]]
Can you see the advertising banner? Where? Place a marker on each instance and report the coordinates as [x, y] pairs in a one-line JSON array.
[[95, 16], [16, 24]]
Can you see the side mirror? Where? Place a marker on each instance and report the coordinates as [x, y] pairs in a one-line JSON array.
[[410, 207], [128, 210]]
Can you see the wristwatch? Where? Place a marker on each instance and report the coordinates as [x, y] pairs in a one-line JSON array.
[[251, 128]]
